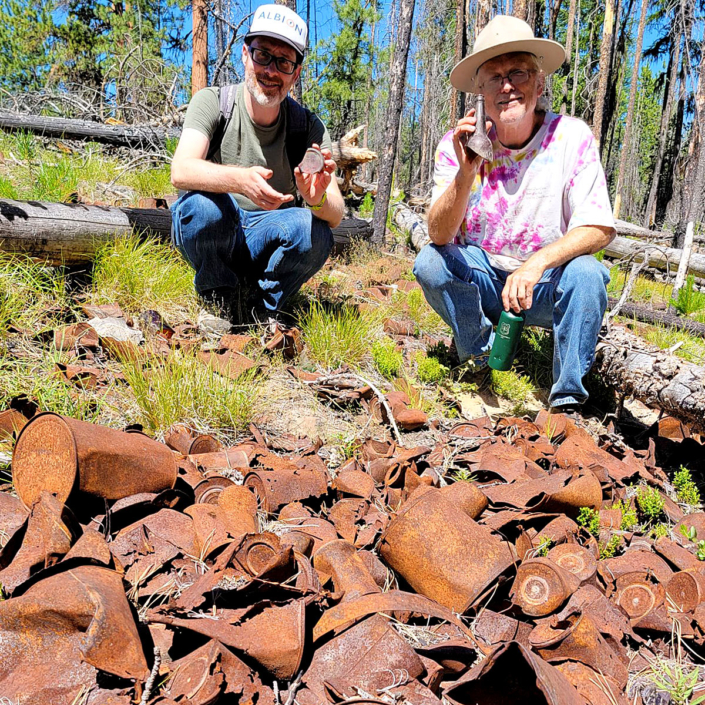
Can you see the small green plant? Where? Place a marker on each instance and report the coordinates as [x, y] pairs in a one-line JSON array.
[[690, 532], [511, 385], [629, 516], [660, 531], [650, 502], [609, 549], [429, 370], [388, 359], [589, 519], [544, 546], [686, 489], [421, 313], [674, 678], [689, 299], [337, 336], [367, 207], [463, 475]]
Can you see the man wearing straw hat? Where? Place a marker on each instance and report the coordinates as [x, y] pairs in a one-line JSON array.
[[518, 232]]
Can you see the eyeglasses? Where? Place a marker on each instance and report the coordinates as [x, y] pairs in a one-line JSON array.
[[264, 58], [518, 77]]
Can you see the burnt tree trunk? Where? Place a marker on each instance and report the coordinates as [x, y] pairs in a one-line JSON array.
[[458, 97], [604, 73], [626, 141], [569, 53], [391, 133]]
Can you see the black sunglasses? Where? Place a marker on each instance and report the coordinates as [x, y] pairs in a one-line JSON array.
[[264, 58]]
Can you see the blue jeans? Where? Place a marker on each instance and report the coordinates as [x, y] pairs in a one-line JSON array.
[[465, 290], [273, 252]]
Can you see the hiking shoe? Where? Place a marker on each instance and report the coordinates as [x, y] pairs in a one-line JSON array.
[[572, 411]]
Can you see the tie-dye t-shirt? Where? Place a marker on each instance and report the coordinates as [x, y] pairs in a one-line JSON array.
[[527, 198]]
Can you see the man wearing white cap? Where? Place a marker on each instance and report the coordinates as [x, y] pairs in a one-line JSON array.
[[517, 232], [238, 223]]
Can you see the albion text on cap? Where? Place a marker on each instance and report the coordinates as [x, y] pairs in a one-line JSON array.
[[279, 22]]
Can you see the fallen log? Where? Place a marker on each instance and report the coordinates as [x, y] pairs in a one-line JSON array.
[[647, 314], [659, 256], [70, 234], [628, 363], [118, 135], [627, 229], [655, 377]]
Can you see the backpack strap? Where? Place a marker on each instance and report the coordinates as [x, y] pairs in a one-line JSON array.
[[226, 98], [298, 122]]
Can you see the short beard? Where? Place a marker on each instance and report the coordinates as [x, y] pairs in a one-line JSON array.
[[260, 97]]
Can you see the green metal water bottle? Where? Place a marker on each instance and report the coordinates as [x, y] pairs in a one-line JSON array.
[[506, 340]]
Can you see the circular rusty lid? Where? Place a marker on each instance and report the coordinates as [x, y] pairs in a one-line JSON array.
[[203, 444], [45, 458], [685, 589], [209, 490], [575, 559], [638, 595], [258, 486], [259, 555], [538, 588]]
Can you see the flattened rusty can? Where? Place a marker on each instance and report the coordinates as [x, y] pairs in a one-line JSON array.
[[575, 559], [542, 586], [341, 561], [275, 488], [686, 589], [60, 454], [441, 552]]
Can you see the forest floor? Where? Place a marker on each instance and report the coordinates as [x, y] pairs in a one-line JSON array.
[[358, 331]]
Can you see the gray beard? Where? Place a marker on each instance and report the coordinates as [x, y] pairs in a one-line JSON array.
[[261, 98]]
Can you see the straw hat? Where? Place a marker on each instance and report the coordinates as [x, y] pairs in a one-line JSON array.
[[505, 34]]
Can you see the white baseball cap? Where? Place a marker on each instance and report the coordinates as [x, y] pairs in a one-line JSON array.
[[279, 22]]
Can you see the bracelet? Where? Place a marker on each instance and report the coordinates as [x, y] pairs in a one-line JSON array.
[[320, 205]]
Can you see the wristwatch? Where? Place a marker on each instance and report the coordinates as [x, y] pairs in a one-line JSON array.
[[320, 205]]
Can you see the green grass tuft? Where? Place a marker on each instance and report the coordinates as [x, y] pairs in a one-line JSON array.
[[512, 385], [144, 274], [337, 336], [182, 389], [689, 299]]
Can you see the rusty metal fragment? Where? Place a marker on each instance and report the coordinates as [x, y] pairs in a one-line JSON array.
[[541, 586], [340, 561], [275, 488]]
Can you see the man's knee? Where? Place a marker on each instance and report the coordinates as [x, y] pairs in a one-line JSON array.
[[585, 274], [198, 211], [430, 268]]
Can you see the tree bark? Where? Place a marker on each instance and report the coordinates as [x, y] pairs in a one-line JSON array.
[[521, 9], [70, 234], [199, 39], [626, 141], [394, 108], [604, 74], [483, 15], [569, 53]]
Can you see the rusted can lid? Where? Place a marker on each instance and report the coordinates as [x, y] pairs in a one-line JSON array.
[[45, 458], [209, 491]]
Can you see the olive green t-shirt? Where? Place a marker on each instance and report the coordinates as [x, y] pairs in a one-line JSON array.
[[247, 144]]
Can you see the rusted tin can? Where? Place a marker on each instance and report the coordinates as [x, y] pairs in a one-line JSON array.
[[441, 552], [60, 454], [208, 491], [541, 587], [638, 594], [575, 559], [275, 488], [686, 589], [187, 443], [466, 496]]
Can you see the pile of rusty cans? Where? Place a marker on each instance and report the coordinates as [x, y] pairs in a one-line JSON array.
[[509, 563]]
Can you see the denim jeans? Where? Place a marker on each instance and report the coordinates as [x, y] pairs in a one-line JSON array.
[[273, 252], [465, 290]]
